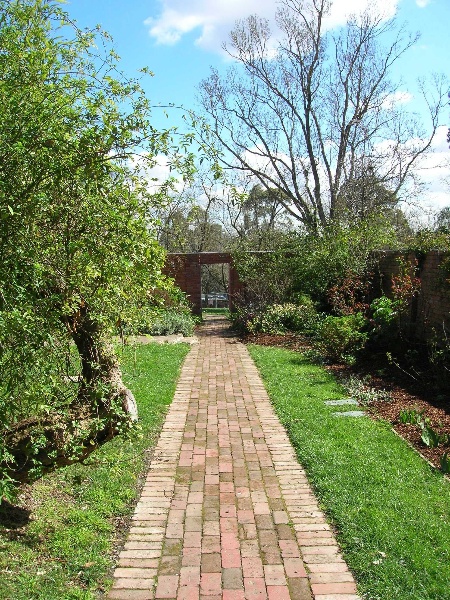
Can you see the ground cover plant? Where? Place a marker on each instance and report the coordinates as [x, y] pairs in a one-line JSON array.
[[57, 542], [391, 510]]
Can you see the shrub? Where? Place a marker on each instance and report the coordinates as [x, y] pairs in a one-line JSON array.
[[385, 320], [384, 312], [339, 338], [279, 318], [166, 321], [349, 295]]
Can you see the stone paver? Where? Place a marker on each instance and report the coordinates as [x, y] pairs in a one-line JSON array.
[[226, 511]]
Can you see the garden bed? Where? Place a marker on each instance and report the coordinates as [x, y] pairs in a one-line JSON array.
[[405, 393]]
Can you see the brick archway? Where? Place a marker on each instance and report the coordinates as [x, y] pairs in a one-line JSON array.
[[186, 269]]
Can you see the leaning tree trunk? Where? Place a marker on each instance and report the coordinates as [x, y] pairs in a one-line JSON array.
[[102, 408]]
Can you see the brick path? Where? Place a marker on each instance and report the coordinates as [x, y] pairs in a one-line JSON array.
[[226, 510]]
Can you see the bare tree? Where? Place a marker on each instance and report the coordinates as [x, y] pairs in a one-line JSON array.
[[311, 110]]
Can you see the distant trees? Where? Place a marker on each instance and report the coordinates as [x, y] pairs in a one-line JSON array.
[[443, 220], [314, 114]]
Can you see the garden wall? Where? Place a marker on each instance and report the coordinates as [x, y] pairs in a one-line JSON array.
[[430, 311], [185, 268]]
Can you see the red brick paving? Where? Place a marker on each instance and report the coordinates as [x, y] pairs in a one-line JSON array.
[[226, 511]]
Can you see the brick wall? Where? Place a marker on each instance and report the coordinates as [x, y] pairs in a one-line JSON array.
[[186, 270], [431, 309]]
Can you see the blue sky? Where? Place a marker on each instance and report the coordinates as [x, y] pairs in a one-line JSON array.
[[180, 39]]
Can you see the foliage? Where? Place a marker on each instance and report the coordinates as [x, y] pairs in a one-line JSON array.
[[405, 285], [412, 416], [443, 220], [311, 265], [445, 463], [426, 240], [76, 249], [282, 318], [166, 322], [385, 324], [383, 311], [339, 338], [166, 311], [358, 388], [267, 277], [350, 295], [339, 255], [429, 436]]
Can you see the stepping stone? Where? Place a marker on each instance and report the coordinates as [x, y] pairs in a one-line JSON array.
[[350, 413], [341, 402]]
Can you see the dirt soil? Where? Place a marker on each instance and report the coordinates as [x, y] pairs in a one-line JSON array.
[[405, 394]]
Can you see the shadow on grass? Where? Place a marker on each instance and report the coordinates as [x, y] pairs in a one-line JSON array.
[[13, 517]]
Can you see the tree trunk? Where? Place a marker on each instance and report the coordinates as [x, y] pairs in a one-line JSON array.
[[102, 408]]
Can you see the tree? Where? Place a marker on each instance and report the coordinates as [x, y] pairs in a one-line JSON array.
[[313, 112], [76, 250], [258, 218], [190, 222], [443, 220]]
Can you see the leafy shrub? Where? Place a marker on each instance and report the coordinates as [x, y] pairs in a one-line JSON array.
[[166, 312], [339, 338], [321, 262], [279, 318], [383, 311], [349, 295], [166, 322], [405, 285]]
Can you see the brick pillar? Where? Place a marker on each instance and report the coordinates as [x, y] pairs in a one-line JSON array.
[[186, 270], [234, 287]]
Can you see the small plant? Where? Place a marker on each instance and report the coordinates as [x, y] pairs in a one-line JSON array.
[[358, 388], [445, 463], [412, 416], [430, 437], [383, 311], [340, 338]]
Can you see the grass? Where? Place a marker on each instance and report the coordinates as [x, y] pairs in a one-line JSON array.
[[215, 311], [391, 510], [65, 551]]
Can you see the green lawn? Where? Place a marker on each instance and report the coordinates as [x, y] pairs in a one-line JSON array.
[[390, 508], [65, 552], [215, 311]]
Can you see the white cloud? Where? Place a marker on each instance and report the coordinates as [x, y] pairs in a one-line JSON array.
[[422, 3], [393, 100], [214, 20]]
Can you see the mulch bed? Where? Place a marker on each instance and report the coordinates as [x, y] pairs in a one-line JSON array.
[[405, 394]]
